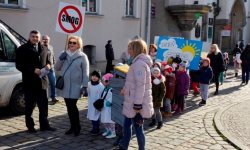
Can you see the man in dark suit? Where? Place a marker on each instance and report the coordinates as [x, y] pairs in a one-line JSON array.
[[31, 58]]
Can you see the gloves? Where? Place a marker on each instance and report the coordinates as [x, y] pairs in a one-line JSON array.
[[108, 104], [63, 56]]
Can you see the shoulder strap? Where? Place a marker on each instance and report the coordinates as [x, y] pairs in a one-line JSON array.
[[70, 65], [105, 94]]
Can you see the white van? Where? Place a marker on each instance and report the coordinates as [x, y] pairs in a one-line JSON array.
[[11, 92]]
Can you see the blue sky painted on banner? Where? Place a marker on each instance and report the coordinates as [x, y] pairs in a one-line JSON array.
[[188, 50]]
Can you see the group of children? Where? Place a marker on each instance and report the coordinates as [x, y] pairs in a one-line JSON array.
[[170, 85]]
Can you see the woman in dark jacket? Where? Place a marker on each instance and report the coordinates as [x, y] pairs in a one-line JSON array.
[[245, 57], [217, 64]]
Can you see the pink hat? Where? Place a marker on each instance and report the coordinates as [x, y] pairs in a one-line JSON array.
[[164, 63], [107, 76]]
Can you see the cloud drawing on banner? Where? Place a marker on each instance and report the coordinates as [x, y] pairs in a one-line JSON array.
[[187, 53]]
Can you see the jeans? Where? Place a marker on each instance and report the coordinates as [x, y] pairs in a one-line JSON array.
[[204, 91], [73, 113], [245, 74], [167, 105], [52, 81], [31, 98], [127, 127]]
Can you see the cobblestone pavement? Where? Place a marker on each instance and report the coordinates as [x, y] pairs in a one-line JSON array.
[[192, 130], [235, 120]]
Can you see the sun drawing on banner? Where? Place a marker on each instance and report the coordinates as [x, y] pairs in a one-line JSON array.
[[190, 48]]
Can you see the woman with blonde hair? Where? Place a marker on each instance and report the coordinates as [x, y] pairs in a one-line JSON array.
[[217, 64], [74, 67], [137, 94]]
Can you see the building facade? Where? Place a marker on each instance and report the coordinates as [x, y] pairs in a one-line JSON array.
[[203, 20], [116, 20]]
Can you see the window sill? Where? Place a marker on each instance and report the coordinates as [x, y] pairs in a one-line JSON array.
[[17, 8], [130, 17], [93, 15]]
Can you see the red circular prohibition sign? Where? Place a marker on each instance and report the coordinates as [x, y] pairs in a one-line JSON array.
[[64, 10]]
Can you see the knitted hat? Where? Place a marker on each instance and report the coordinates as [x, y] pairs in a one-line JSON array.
[[170, 60], [97, 73], [98, 104], [158, 64], [164, 63], [107, 77], [224, 55], [155, 69], [169, 69], [184, 64], [207, 60], [177, 60]]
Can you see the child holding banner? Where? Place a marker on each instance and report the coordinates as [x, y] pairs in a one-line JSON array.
[[183, 82]]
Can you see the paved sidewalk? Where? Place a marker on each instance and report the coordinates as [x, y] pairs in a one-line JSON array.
[[192, 130], [236, 122]]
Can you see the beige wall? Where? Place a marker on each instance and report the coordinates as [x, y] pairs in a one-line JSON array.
[[97, 30]]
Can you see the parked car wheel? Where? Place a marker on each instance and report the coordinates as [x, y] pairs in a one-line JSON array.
[[17, 101]]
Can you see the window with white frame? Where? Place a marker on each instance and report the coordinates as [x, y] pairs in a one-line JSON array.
[[129, 8], [90, 5], [9, 2]]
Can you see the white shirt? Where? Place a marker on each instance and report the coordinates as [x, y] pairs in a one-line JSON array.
[[36, 47]]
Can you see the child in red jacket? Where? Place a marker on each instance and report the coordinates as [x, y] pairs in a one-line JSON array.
[[170, 82]]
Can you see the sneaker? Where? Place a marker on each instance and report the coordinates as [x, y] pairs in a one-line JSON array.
[[106, 132], [111, 135], [202, 103], [177, 112], [167, 115], [196, 94]]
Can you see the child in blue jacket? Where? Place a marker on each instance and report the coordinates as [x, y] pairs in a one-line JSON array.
[[206, 74]]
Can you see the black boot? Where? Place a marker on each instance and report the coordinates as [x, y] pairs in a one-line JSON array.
[[236, 74], [160, 125], [202, 103], [70, 131], [216, 93], [152, 123]]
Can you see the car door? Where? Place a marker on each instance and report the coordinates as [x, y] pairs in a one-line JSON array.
[[8, 71]]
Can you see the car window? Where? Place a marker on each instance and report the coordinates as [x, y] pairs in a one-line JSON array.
[[9, 47], [1, 51]]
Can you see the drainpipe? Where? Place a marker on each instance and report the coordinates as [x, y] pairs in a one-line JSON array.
[[218, 9], [147, 19]]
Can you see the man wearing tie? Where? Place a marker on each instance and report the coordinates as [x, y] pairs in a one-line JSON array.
[[31, 57]]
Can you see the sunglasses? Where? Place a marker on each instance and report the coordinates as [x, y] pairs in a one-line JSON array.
[[74, 43]]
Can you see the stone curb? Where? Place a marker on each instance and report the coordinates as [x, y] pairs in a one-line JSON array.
[[221, 129]]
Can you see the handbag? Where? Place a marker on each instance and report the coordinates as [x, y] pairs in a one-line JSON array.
[[60, 80], [98, 104]]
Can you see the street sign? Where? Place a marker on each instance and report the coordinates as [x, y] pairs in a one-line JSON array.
[[70, 19]]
